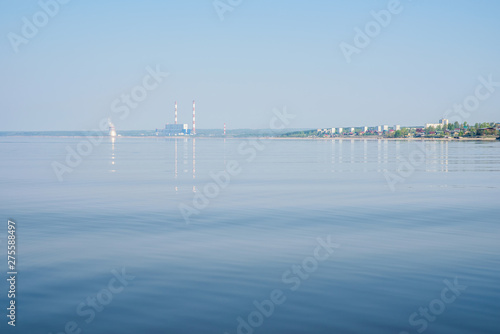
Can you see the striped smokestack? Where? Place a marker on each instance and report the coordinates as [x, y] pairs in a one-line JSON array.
[[194, 118], [175, 112]]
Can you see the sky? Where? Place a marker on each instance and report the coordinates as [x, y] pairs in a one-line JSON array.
[[242, 59]]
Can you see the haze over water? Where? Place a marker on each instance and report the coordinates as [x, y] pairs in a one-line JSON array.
[[120, 209]]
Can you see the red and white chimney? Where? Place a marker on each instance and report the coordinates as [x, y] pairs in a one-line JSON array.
[[175, 112], [194, 118]]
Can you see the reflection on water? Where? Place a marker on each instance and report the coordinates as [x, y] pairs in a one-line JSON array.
[[185, 160], [386, 154], [396, 247], [113, 139], [194, 162]]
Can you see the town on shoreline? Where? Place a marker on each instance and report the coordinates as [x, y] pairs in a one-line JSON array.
[[443, 130]]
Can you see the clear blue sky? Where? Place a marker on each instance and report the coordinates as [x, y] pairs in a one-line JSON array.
[[264, 54]]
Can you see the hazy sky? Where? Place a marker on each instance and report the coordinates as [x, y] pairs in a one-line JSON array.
[[265, 54]]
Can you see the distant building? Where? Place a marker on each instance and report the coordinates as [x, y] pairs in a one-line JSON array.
[[365, 129], [397, 127], [175, 130], [379, 128], [443, 122], [333, 131], [341, 130], [434, 125], [353, 130], [386, 127]]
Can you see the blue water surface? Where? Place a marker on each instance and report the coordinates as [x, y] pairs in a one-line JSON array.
[[197, 235]]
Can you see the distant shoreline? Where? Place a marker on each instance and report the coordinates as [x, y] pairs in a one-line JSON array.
[[394, 139], [263, 137]]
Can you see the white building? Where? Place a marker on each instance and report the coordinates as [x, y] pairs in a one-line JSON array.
[[443, 122], [397, 127]]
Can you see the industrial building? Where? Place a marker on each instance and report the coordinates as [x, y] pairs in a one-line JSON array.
[[177, 129]]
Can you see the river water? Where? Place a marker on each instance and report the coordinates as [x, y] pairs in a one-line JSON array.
[[156, 235]]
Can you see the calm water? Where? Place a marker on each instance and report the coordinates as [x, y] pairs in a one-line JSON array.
[[436, 219]]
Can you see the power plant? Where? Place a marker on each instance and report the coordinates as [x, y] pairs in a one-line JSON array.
[[179, 129]]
